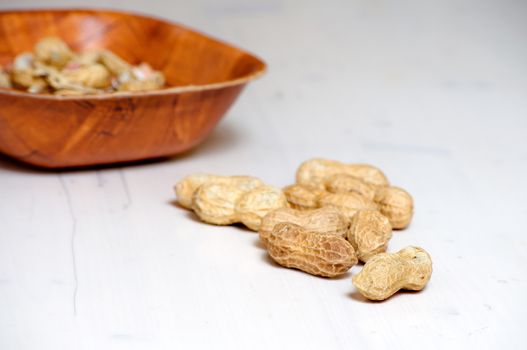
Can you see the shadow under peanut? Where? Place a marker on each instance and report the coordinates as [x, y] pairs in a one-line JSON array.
[[355, 295], [189, 214]]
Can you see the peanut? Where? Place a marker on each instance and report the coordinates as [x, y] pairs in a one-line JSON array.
[[185, 188], [94, 76], [323, 255], [347, 203], [141, 78], [227, 203], [4, 79], [326, 221], [385, 274], [303, 196], [23, 74], [53, 51], [369, 233], [114, 63], [54, 68], [341, 183], [314, 171], [86, 58], [309, 197], [255, 204], [396, 204]]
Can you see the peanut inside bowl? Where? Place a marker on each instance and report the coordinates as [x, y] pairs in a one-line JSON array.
[[188, 60], [52, 67]]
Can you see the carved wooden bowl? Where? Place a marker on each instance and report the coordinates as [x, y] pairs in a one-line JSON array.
[[204, 77]]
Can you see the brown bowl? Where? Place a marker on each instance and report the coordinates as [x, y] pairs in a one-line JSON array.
[[204, 76]]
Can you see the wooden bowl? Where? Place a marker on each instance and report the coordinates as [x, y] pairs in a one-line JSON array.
[[205, 76]]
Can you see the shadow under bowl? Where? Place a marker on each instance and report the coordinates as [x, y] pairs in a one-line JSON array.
[[204, 77]]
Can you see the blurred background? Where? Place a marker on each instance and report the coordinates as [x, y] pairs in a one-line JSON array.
[[367, 76]]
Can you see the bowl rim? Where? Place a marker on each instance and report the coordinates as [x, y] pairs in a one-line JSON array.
[[168, 91]]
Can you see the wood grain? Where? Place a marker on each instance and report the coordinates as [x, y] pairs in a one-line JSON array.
[[205, 77]]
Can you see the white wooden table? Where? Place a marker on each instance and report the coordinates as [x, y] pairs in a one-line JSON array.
[[434, 93]]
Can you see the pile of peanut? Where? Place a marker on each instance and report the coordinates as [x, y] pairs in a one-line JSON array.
[[54, 68], [334, 216]]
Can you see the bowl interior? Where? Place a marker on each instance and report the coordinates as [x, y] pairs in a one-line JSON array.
[[184, 56]]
